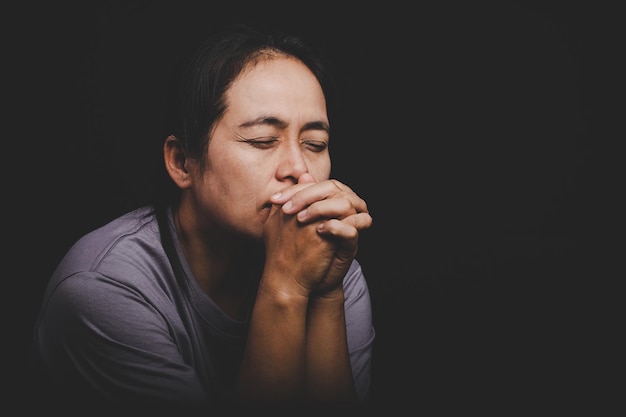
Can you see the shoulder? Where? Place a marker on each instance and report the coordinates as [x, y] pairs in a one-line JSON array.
[[119, 263], [115, 248], [137, 224]]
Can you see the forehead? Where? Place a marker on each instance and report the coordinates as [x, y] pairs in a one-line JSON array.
[[272, 63], [276, 78]]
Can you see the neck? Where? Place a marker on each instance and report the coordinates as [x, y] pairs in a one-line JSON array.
[[226, 267]]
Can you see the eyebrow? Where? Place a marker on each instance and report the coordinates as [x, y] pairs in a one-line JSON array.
[[281, 124], [317, 125]]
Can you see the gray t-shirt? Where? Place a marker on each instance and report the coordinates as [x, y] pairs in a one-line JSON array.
[[115, 320]]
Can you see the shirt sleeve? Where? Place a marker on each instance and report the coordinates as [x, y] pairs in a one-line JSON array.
[[111, 341], [360, 328]]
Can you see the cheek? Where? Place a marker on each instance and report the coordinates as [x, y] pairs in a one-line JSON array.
[[320, 169], [226, 161]]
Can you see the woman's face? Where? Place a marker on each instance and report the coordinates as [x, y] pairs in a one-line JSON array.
[[275, 128]]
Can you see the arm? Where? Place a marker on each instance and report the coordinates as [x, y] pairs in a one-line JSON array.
[[102, 343], [329, 375], [297, 347]]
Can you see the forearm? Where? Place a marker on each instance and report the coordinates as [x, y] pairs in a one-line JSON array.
[[272, 370], [328, 371]]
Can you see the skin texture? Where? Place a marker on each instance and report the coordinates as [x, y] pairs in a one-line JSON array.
[[266, 183]]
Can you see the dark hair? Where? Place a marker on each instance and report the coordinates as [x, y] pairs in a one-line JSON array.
[[196, 100], [197, 97]]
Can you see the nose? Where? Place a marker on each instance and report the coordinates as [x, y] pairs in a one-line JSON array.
[[292, 162]]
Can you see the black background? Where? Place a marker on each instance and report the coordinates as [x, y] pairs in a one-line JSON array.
[[480, 133]]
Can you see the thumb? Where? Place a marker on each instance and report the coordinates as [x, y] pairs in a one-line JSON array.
[[306, 178]]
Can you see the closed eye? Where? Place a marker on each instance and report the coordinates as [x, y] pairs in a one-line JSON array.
[[315, 146], [262, 142]]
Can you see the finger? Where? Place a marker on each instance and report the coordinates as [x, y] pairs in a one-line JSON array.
[[332, 208], [306, 178], [347, 228], [336, 207], [283, 196], [321, 191]]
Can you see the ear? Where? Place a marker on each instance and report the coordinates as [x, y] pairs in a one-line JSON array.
[[176, 162]]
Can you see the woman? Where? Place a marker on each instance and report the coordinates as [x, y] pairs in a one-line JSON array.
[[240, 286]]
